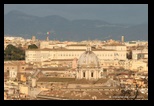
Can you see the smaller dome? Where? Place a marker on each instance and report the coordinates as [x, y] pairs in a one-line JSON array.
[[88, 58]]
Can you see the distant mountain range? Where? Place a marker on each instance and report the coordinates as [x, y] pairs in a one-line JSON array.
[[17, 23]]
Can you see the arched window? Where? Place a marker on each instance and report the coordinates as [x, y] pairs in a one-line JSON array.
[[84, 74], [92, 74]]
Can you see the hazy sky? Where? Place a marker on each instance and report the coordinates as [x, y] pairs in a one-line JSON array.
[[114, 13]]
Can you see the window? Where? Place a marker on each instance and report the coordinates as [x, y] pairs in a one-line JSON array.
[[14, 73], [91, 74], [84, 74]]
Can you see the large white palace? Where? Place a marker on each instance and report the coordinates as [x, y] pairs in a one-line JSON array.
[[74, 51]]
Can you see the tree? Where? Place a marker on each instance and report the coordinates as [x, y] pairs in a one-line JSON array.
[[13, 53], [33, 46], [129, 55]]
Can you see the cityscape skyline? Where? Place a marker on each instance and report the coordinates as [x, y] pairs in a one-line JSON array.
[[88, 70], [75, 52]]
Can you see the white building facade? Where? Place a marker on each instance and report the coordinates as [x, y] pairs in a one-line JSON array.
[[12, 73], [110, 53]]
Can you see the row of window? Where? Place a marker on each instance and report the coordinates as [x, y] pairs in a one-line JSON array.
[[109, 64], [13, 67], [116, 64], [109, 55], [84, 74], [75, 55]]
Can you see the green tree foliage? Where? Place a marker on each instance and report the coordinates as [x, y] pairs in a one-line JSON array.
[[13, 53], [33, 46]]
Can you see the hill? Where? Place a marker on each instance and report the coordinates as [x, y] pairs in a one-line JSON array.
[[17, 23]]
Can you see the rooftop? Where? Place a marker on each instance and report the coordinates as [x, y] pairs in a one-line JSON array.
[[61, 49], [55, 79], [116, 44], [76, 45], [80, 81]]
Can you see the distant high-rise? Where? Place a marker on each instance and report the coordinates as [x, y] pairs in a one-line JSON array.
[[122, 39]]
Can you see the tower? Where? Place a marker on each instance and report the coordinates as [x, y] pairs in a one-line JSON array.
[[122, 39], [47, 38], [33, 38]]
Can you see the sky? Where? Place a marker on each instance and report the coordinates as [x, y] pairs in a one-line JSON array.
[[112, 13]]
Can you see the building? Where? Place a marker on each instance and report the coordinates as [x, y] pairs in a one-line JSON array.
[[106, 53], [12, 73], [17, 65], [33, 38], [139, 65], [139, 54], [33, 82], [76, 46], [136, 43], [22, 78], [122, 39], [24, 89], [88, 66], [50, 45]]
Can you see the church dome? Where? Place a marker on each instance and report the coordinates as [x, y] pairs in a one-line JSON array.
[[88, 58]]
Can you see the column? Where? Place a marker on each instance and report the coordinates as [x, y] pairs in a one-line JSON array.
[[81, 74], [86, 74]]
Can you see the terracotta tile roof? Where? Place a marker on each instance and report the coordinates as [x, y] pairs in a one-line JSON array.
[[101, 81], [80, 81], [76, 45], [116, 44], [55, 79], [29, 69], [54, 69]]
